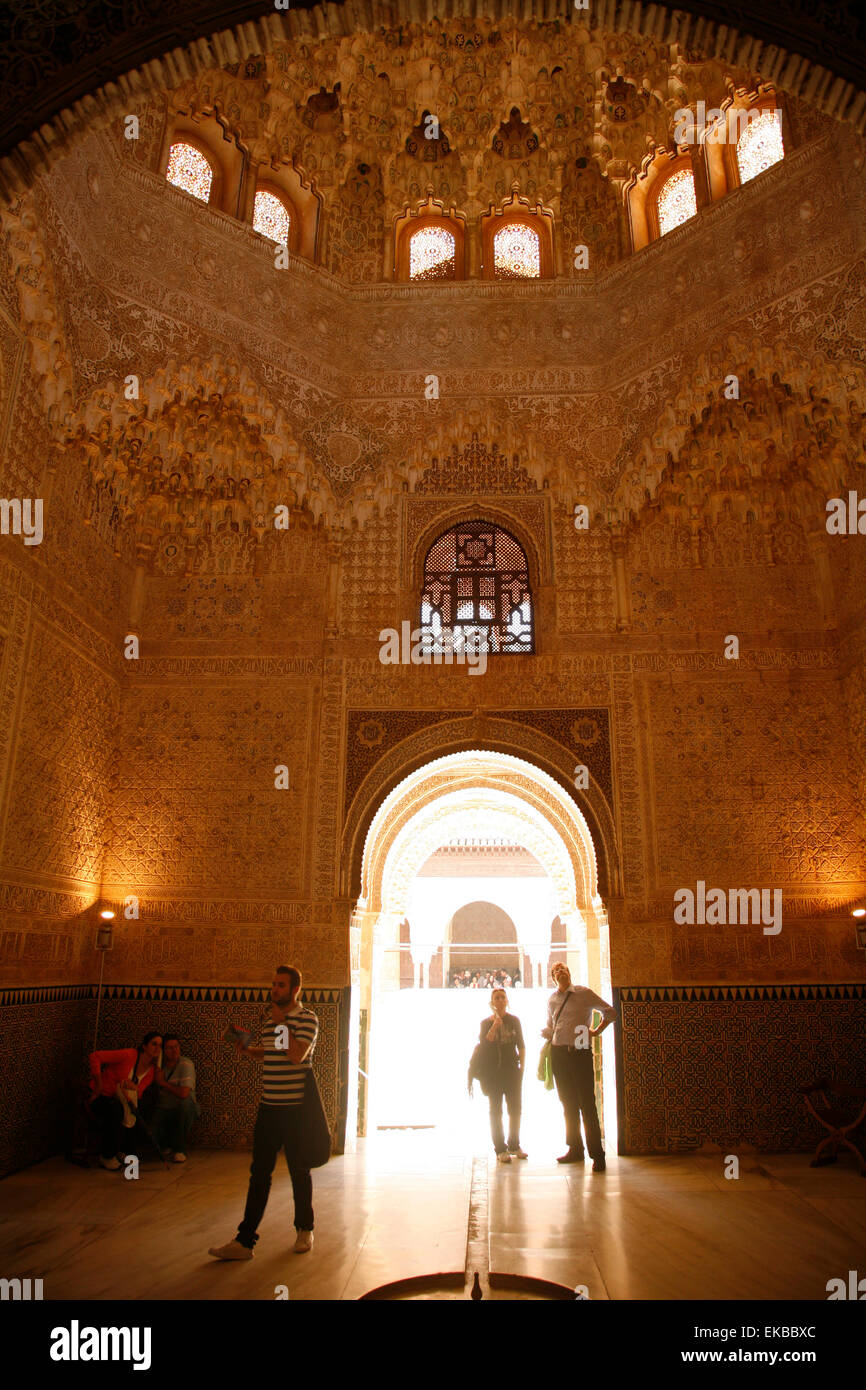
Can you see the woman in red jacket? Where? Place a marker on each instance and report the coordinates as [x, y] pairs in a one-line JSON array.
[[118, 1081]]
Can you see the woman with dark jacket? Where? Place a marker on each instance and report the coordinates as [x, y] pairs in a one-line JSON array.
[[504, 1055]]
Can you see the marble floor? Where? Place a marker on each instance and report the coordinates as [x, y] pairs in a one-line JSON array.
[[648, 1228]]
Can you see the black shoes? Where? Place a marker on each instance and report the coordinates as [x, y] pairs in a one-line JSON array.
[[573, 1156]]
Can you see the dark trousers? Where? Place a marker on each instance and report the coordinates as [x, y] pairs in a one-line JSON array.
[[277, 1127], [107, 1113], [507, 1088], [114, 1136], [572, 1072], [171, 1124]]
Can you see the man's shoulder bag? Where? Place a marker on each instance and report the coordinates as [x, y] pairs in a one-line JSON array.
[[545, 1063], [314, 1148]]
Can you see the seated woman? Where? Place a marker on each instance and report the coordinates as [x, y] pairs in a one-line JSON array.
[[118, 1080], [502, 1036]]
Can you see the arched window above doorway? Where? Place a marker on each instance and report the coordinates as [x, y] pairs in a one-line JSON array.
[[476, 583]]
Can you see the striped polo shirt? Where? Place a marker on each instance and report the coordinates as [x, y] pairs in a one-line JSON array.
[[282, 1080]]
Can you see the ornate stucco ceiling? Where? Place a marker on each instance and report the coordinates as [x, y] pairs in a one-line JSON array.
[[53, 55], [604, 388]]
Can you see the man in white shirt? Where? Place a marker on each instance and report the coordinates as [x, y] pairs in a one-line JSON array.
[[569, 1016], [176, 1108]]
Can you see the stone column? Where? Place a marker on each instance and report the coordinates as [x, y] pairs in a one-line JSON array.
[[699, 172], [359, 999], [473, 250], [824, 574], [335, 559], [619, 548], [378, 961], [247, 191], [136, 602], [578, 957], [388, 271]]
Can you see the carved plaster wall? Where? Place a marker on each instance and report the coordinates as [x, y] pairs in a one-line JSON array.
[[154, 777]]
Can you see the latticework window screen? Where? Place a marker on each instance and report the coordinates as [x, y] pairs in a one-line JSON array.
[[432, 255], [476, 583], [188, 169]]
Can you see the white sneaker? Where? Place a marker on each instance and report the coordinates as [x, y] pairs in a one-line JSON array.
[[232, 1251], [110, 1163], [303, 1243], [180, 1158], [503, 1158]]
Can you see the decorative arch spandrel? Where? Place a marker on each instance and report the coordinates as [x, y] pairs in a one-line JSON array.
[[546, 757]]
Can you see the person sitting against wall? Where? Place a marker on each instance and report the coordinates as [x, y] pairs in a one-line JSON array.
[[176, 1107], [118, 1081]]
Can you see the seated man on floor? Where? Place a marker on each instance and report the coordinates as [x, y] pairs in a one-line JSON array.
[[118, 1081], [176, 1107]]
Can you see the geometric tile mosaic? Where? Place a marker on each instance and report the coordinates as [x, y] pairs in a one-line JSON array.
[[45, 1031], [723, 1064]]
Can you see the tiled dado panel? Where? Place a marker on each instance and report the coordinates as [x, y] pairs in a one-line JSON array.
[[48, 1033], [43, 1037], [723, 1064], [227, 1087]]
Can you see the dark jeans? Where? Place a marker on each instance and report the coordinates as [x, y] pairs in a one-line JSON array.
[[572, 1072], [107, 1113], [171, 1124], [507, 1088], [114, 1136], [277, 1127]]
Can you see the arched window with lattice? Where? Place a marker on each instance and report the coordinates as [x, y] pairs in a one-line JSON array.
[[676, 200], [271, 217], [432, 254], [190, 170], [476, 586], [516, 252], [760, 145]]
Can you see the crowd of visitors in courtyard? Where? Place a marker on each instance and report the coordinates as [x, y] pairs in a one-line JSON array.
[[483, 979]]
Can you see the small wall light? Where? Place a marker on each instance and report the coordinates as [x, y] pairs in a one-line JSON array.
[[104, 933], [103, 944]]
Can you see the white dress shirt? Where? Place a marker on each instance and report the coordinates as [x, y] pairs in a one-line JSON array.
[[577, 1010]]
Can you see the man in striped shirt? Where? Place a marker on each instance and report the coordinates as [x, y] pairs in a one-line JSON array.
[[286, 1045]]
